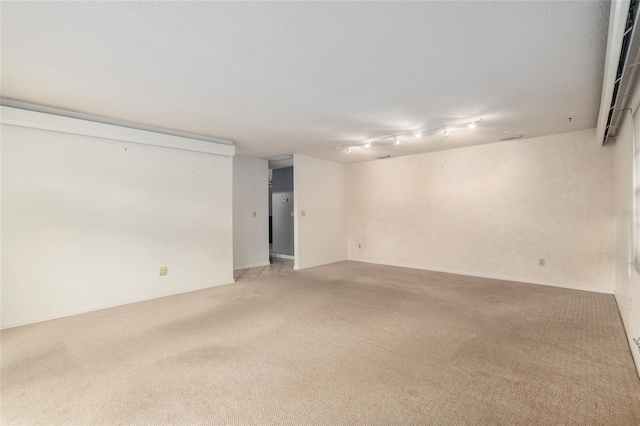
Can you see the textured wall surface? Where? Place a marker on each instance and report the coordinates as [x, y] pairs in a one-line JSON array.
[[491, 210]]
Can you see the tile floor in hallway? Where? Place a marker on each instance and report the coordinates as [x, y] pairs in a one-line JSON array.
[[276, 267]]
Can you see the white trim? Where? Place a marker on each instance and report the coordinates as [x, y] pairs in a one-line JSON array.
[[252, 265], [493, 277], [321, 264], [283, 256], [111, 304], [58, 123], [635, 353]]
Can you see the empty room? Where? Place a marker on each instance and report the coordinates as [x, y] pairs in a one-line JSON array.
[[318, 213]]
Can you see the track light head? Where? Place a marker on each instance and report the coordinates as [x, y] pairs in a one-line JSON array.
[[472, 125], [348, 150], [396, 140], [446, 132], [418, 134], [367, 145]]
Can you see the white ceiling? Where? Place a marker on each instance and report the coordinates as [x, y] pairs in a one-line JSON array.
[[285, 78]]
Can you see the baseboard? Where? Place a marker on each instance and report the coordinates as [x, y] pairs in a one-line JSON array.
[[252, 265], [282, 256], [493, 277], [315, 265], [47, 317], [635, 352]]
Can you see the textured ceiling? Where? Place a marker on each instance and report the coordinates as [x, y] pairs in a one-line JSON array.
[[284, 78]]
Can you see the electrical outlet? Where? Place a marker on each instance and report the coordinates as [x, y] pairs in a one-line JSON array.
[[540, 262], [359, 246], [254, 214], [303, 213], [162, 271]]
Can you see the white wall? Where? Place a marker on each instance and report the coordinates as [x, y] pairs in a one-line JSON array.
[[491, 211], [250, 195], [87, 221], [627, 279], [320, 193]]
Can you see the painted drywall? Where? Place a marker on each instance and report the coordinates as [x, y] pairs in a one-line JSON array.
[[491, 211], [282, 202], [321, 212], [87, 221], [250, 212], [627, 283], [1, 257]]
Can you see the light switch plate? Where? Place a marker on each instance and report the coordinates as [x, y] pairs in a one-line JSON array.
[[162, 271]]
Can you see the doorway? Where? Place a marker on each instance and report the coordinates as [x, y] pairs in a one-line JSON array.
[[281, 210]]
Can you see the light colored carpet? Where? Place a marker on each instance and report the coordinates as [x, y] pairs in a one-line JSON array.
[[349, 343]]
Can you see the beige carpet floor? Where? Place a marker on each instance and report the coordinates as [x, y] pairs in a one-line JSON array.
[[349, 343]]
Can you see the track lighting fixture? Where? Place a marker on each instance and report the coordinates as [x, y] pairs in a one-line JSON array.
[[417, 133]]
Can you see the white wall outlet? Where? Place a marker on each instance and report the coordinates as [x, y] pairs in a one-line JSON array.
[[359, 246], [254, 214], [162, 271], [541, 262], [303, 213]]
